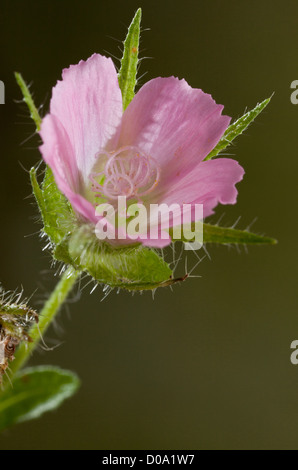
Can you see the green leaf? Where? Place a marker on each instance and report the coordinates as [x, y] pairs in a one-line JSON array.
[[237, 128], [27, 97], [129, 64], [35, 391]]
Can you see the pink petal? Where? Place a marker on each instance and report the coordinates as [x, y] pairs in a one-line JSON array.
[[81, 205], [58, 154], [88, 103], [157, 243], [57, 151], [210, 183], [173, 123]]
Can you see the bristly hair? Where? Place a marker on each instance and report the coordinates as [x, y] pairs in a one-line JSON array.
[[16, 318]]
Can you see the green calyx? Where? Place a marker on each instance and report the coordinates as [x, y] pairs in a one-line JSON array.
[[75, 243]]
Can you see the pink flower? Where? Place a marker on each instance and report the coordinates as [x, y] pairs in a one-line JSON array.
[[151, 153]]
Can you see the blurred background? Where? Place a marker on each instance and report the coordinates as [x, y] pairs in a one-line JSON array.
[[206, 366]]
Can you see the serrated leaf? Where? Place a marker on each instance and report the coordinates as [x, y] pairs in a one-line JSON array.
[[237, 128], [132, 268], [129, 64], [35, 391]]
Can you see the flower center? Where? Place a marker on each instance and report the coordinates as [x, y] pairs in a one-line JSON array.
[[126, 172]]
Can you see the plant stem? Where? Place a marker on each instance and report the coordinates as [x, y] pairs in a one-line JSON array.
[[46, 316]]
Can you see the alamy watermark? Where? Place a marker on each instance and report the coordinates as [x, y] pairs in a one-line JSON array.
[[294, 355], [151, 222], [2, 93], [294, 94]]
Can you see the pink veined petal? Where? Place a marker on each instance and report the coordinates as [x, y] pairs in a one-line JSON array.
[[88, 103], [58, 154], [57, 151], [175, 124], [210, 183]]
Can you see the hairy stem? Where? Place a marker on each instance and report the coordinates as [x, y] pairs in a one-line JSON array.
[[46, 316]]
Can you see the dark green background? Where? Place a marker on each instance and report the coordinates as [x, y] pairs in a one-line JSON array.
[[208, 365]]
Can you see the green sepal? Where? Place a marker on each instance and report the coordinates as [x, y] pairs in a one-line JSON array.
[[237, 128], [57, 214], [35, 391], [134, 267], [127, 76], [27, 98], [226, 236], [230, 236]]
